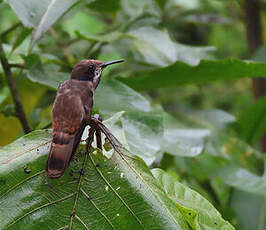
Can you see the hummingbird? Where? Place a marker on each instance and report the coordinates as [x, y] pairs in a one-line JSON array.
[[71, 113]]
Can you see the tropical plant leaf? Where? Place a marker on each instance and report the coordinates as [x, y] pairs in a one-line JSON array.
[[253, 204], [243, 179], [43, 74], [155, 48], [4, 92], [21, 37], [206, 71], [80, 21], [113, 96], [252, 122], [40, 15], [95, 192], [225, 156], [104, 6], [199, 212], [181, 140]]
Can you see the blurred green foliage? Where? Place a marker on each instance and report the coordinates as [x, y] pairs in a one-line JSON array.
[[194, 118]]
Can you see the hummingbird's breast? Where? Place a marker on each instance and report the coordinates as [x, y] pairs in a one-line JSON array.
[[72, 105]]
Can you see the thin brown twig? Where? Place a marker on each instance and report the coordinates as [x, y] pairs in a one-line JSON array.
[[20, 66], [4, 33], [254, 31], [20, 113]]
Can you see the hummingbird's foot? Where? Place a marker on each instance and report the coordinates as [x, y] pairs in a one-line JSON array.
[[94, 121]]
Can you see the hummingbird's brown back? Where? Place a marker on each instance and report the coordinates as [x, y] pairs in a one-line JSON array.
[[69, 118]]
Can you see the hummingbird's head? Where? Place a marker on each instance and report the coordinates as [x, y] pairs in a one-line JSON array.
[[90, 70]]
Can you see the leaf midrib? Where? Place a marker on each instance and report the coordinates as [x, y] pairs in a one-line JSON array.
[[120, 198], [158, 198]]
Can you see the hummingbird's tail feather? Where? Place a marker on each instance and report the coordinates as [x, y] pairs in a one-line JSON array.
[[78, 138], [60, 154]]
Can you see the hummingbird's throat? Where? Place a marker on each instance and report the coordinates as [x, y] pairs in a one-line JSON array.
[[97, 77]]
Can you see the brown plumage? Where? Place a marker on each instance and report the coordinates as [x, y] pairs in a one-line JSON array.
[[71, 113]]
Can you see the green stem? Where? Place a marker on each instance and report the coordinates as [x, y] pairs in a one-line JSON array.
[[20, 113]]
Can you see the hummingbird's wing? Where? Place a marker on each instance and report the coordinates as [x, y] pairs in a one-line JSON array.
[[69, 121]]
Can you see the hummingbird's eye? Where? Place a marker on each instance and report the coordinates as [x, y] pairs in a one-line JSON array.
[[90, 67]]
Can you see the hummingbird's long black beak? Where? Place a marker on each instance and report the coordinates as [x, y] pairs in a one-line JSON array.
[[111, 62]]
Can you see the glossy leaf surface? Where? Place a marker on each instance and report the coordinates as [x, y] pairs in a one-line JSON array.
[[198, 211], [205, 71], [119, 192], [252, 122], [40, 15]]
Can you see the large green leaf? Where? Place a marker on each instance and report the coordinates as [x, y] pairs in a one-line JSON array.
[[40, 15], [80, 21], [112, 96], [105, 5], [243, 179], [251, 214], [4, 92], [228, 171], [206, 71], [181, 140], [44, 75], [225, 156], [149, 47], [198, 211], [95, 192], [157, 48], [138, 13], [252, 122], [24, 33]]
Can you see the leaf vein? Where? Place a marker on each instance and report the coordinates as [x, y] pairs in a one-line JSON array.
[[139, 175], [133, 214], [78, 218], [38, 208], [18, 184], [86, 195]]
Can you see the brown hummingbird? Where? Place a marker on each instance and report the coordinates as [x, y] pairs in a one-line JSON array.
[[71, 113]]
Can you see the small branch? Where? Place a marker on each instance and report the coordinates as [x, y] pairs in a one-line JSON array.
[[20, 66], [14, 92], [255, 40], [4, 33]]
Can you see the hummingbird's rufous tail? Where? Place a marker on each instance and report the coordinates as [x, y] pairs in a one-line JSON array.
[[60, 154]]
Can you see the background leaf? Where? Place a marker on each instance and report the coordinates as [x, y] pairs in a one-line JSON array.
[[252, 122], [42, 75], [199, 213], [40, 15], [205, 71]]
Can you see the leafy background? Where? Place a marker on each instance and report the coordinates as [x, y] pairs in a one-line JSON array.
[[182, 102]]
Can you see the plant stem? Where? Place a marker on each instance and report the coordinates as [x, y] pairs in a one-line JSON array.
[[4, 33], [20, 113], [20, 66], [255, 40]]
